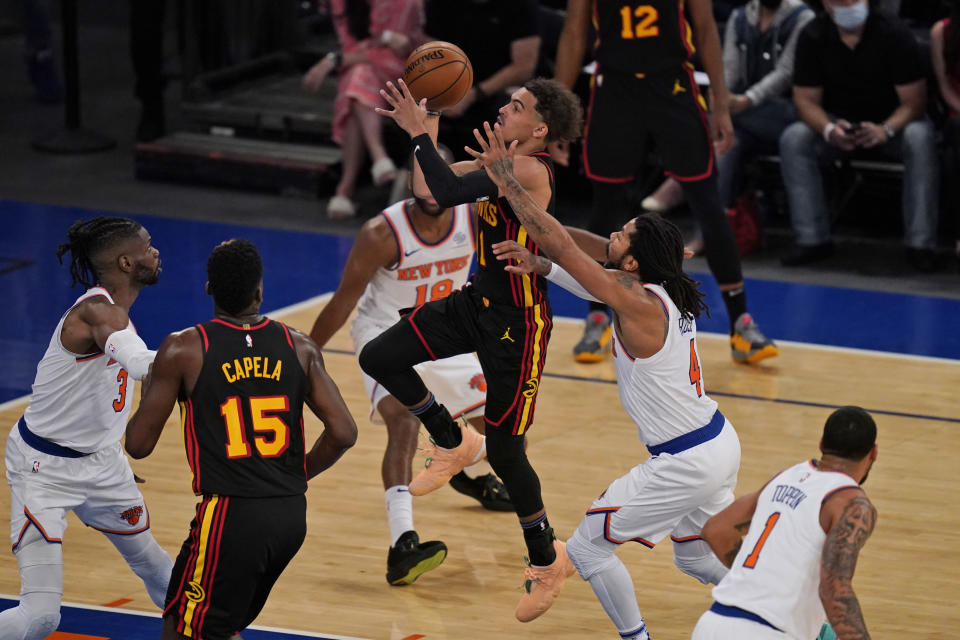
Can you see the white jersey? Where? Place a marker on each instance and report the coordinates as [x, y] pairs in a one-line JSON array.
[[665, 394], [423, 271], [79, 400], [776, 574]]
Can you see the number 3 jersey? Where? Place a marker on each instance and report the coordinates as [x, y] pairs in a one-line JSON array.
[[776, 574], [243, 423], [79, 400], [423, 272]]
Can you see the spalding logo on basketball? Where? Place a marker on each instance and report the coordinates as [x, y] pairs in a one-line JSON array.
[[440, 72]]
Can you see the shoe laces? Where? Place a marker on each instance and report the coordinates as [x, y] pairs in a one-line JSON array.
[[594, 328], [749, 330]]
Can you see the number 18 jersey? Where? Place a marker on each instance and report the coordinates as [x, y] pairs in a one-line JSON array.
[[776, 574], [243, 422]]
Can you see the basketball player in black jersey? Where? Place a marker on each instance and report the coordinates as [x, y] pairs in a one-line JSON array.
[[241, 380], [504, 317], [643, 89]]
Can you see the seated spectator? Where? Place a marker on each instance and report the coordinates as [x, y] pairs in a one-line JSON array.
[[859, 88], [945, 52], [376, 36], [502, 40]]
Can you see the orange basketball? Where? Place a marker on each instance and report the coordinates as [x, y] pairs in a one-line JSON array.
[[439, 72]]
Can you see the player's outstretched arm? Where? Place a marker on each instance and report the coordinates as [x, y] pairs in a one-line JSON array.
[[159, 391], [724, 531], [324, 399], [848, 518], [374, 247]]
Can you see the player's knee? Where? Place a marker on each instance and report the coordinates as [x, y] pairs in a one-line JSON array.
[[589, 558], [373, 358], [42, 625], [37, 616], [697, 560], [505, 449]]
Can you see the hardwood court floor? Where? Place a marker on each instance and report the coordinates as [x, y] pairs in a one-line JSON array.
[[582, 440]]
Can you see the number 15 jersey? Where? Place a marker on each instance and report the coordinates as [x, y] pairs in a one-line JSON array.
[[638, 37], [243, 423]]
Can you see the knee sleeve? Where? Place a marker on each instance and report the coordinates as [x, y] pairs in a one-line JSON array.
[[41, 589], [590, 552], [695, 558], [507, 457], [148, 560]]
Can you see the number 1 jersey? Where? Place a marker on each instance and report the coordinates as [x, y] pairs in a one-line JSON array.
[[243, 423]]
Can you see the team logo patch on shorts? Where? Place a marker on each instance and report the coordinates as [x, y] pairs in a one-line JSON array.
[[194, 592], [132, 516], [532, 385], [478, 382]]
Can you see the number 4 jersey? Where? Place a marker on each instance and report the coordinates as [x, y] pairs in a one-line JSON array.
[[243, 423], [776, 574], [423, 271]]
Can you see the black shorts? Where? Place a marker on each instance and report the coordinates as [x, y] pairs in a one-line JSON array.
[[236, 550], [625, 112], [510, 342]]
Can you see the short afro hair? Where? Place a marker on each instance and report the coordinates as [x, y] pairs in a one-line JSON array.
[[850, 433], [234, 271], [559, 107]]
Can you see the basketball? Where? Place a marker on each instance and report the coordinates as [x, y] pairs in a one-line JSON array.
[[439, 72]]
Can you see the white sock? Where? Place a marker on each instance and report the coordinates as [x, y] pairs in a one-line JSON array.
[[148, 560], [614, 589], [399, 511], [482, 454], [478, 469]]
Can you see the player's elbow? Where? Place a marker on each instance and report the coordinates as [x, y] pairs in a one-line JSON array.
[[135, 449], [345, 435]]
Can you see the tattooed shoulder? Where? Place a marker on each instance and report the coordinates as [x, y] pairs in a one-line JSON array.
[[626, 280]]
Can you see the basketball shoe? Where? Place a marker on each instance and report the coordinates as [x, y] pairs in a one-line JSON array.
[[409, 558], [597, 339], [543, 585], [486, 489], [747, 344], [443, 463]]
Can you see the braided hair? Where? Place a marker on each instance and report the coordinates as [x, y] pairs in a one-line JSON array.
[[657, 246], [234, 270], [86, 239]]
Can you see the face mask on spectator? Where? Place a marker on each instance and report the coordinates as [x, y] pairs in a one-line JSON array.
[[850, 18], [771, 4]]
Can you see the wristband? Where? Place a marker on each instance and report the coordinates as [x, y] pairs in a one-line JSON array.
[[827, 130], [890, 131]]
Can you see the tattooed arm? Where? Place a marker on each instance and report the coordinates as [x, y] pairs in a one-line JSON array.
[[848, 518], [724, 532]]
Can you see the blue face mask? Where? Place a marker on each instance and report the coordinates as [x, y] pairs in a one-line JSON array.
[[850, 18]]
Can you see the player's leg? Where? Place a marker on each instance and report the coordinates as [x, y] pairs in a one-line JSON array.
[[41, 589], [685, 145], [116, 507], [407, 558]]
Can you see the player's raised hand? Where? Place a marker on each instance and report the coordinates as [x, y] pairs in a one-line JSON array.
[[406, 112], [524, 261], [495, 156]]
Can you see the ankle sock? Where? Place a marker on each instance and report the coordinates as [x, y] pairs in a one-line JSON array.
[[399, 504], [736, 303], [539, 538], [439, 424]]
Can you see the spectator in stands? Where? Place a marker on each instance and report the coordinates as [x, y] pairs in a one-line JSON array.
[[376, 36], [502, 40], [859, 87], [945, 53]]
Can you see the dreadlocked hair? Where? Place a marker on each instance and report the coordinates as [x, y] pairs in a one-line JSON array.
[[234, 271], [87, 238], [657, 246]]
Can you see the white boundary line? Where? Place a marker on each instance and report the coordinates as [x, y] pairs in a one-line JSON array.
[[153, 614]]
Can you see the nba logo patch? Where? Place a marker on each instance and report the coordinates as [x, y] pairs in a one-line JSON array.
[[249, 341], [459, 237], [36, 466]]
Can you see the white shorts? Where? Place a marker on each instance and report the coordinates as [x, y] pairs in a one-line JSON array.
[[457, 382], [669, 494], [99, 488], [713, 626]]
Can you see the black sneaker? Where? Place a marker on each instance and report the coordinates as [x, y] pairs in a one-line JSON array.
[[487, 490], [409, 558]]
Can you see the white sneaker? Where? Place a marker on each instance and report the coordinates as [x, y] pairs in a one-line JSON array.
[[340, 207]]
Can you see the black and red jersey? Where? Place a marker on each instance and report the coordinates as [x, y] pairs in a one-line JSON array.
[[639, 37], [497, 222], [243, 423]]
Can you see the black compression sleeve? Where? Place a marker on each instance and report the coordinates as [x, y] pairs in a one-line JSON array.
[[448, 188]]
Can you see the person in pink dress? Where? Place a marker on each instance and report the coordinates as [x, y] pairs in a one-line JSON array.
[[375, 38]]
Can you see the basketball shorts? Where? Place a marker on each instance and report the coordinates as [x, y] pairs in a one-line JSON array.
[[236, 550], [626, 113], [99, 488], [669, 494], [510, 343], [713, 626], [457, 381]]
